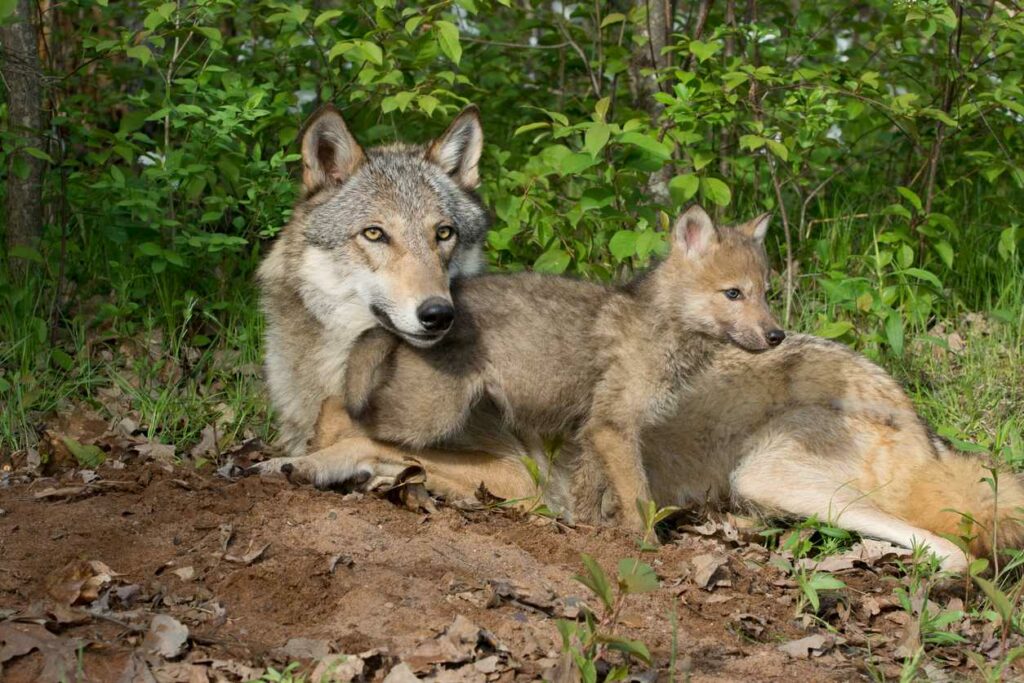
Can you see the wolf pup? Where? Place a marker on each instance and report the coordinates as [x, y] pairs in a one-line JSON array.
[[375, 239], [557, 356]]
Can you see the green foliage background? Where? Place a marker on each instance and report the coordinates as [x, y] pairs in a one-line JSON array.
[[886, 137]]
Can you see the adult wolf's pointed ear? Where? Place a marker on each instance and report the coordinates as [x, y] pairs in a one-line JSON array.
[[330, 155], [757, 228], [458, 150], [694, 232]]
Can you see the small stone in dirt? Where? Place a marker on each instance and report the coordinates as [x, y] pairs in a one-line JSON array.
[[342, 559], [304, 648], [184, 573], [166, 637], [2, 512], [401, 674]]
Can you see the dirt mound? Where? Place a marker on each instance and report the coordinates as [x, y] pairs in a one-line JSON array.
[[157, 573]]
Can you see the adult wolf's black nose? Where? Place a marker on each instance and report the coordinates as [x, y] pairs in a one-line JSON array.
[[775, 337], [436, 315]]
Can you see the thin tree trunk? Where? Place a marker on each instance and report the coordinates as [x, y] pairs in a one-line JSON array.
[[649, 56], [22, 75]]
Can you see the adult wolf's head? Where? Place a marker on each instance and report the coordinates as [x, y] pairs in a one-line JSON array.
[[723, 274], [390, 226]]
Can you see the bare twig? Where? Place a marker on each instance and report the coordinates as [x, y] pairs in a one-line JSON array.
[[702, 19], [788, 237]]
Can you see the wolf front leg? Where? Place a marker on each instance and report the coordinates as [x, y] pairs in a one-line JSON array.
[[617, 451]]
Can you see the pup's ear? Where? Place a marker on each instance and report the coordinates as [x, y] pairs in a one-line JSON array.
[[367, 368], [330, 155], [756, 228], [458, 150], [694, 232]]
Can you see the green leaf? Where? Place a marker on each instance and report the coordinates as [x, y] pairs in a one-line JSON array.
[[636, 576], [139, 52], [703, 51], [23, 251], [648, 143], [448, 39], [634, 648], [778, 149], [554, 261], [683, 187], [90, 456], [428, 103], [596, 137], [212, 34], [834, 329], [910, 196], [531, 126], [1007, 246], [894, 332], [7, 8], [61, 358], [823, 581], [370, 51], [922, 274], [752, 142], [998, 598], [715, 190], [945, 251], [596, 580], [613, 18], [623, 244], [327, 16]]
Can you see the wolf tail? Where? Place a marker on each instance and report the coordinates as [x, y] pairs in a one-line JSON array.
[[959, 496]]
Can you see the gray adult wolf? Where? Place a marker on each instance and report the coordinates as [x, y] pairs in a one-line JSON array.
[[375, 239], [558, 356], [810, 428]]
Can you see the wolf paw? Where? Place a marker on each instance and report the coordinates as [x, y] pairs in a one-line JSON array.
[[309, 469]]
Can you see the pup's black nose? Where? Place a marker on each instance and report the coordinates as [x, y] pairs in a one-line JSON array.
[[775, 337], [436, 315]]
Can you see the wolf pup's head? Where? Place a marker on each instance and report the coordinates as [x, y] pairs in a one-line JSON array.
[[724, 274], [387, 228]]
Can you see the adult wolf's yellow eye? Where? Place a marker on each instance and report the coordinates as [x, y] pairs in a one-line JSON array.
[[373, 233], [445, 232]]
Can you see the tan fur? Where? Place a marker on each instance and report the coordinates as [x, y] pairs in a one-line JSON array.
[[556, 356]]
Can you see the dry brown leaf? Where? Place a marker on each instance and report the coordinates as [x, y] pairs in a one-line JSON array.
[[707, 569], [18, 639], [158, 452], [461, 642], [249, 557], [409, 489], [804, 648], [166, 637], [78, 582], [346, 668], [207, 447]]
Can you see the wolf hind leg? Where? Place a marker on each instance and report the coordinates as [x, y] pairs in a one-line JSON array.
[[781, 475]]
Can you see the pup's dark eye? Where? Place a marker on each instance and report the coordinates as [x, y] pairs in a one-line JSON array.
[[733, 294], [374, 234], [445, 233]]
